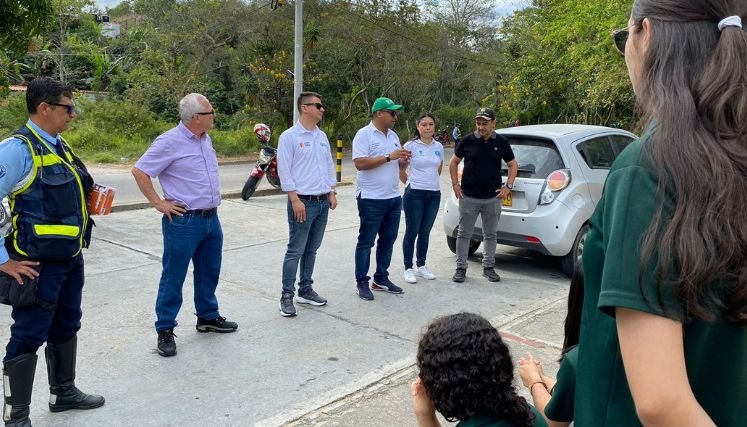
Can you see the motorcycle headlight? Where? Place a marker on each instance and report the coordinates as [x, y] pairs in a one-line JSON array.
[[265, 157]]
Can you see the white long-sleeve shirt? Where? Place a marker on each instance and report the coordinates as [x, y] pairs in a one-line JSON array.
[[305, 162]]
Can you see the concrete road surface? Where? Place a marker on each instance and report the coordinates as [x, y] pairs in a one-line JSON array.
[[345, 364]]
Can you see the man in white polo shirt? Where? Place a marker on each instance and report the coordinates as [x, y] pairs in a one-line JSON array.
[[307, 174], [376, 149]]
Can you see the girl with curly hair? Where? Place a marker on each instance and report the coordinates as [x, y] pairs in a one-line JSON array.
[[664, 323], [466, 374]]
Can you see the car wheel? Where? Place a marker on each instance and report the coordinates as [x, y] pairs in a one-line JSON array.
[[473, 245], [568, 262]]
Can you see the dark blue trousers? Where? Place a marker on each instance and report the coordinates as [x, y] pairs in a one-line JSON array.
[[60, 284], [378, 217]]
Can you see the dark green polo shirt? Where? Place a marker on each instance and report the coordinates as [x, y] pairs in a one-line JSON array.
[[492, 421], [560, 406], [715, 352]]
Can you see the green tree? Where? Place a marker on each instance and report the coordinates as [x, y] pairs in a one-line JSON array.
[[21, 20], [124, 8], [561, 64]]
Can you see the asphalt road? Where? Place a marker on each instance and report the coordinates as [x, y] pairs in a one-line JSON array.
[[233, 175], [232, 178]]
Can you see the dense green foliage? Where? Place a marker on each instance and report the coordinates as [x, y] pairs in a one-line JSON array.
[[551, 62], [21, 20], [562, 65]]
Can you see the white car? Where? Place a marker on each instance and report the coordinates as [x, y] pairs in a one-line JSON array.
[[562, 169]]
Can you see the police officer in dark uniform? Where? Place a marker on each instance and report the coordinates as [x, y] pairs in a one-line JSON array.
[[46, 185]]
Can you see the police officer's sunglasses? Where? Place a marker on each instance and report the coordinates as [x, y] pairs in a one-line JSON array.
[[70, 107]]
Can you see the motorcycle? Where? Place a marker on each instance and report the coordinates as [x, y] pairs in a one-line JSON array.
[[442, 136], [267, 163]]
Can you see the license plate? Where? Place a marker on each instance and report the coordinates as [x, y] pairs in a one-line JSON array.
[[508, 200]]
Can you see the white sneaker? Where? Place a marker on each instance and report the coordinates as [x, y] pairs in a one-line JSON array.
[[425, 273], [410, 276]]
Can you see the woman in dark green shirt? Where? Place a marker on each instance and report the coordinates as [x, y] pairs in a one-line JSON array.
[[664, 324]]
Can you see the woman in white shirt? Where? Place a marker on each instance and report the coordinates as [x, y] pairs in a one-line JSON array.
[[422, 196]]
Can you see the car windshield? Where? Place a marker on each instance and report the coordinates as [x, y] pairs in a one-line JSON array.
[[537, 158]]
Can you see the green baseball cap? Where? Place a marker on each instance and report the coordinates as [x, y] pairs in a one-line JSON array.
[[385, 104]]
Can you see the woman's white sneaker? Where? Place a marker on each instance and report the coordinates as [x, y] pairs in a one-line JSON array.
[[410, 276], [425, 272]]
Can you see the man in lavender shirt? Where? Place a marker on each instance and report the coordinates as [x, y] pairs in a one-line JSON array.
[[184, 161]]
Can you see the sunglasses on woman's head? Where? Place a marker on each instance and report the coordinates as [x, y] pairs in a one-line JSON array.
[[620, 37]]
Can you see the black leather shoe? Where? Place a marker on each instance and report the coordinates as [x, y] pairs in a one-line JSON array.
[[64, 395], [63, 398], [459, 275]]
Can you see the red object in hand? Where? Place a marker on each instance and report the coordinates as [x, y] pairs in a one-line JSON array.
[[100, 200]]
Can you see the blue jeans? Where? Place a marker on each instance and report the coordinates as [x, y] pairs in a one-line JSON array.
[[421, 208], [199, 239], [60, 283], [378, 217], [304, 238]]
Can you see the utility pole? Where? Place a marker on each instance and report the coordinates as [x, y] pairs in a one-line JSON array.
[[298, 58], [61, 47]]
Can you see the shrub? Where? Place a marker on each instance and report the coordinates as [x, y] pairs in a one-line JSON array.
[[231, 143], [12, 113]]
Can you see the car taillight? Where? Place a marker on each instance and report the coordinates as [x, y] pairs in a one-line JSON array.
[[556, 181]]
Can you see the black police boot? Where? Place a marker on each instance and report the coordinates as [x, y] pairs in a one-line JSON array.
[[19, 381], [64, 394]]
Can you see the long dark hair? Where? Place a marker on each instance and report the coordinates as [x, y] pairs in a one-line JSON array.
[[693, 89], [416, 134], [466, 370], [572, 324]]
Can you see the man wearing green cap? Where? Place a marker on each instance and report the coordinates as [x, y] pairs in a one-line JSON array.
[[377, 196]]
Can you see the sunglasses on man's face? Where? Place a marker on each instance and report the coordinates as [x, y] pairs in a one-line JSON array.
[[206, 113], [318, 105], [620, 37], [70, 107], [391, 113]]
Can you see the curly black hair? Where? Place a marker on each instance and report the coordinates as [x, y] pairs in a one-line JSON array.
[[466, 370]]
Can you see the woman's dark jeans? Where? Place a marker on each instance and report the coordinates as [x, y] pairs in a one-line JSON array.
[[421, 208]]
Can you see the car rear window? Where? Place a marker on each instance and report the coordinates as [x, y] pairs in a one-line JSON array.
[[536, 157]]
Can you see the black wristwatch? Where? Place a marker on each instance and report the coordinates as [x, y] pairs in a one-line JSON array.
[[388, 159], [509, 186]]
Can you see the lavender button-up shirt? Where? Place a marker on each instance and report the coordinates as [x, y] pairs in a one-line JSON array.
[[186, 167]]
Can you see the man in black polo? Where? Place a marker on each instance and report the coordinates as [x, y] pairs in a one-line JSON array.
[[481, 190]]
